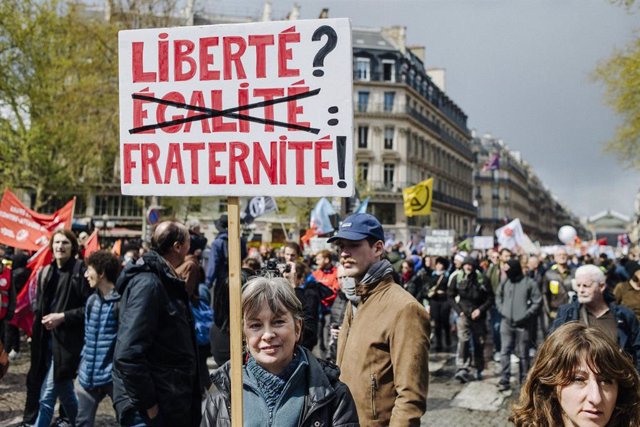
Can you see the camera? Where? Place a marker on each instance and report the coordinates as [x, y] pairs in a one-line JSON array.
[[274, 268]]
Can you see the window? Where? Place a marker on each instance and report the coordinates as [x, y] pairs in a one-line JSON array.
[[388, 101], [362, 68], [363, 135], [495, 213], [388, 70], [389, 169], [495, 192], [363, 171], [363, 101], [388, 137], [385, 212], [116, 206]]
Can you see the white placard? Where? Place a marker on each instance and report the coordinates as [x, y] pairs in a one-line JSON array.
[[439, 242], [483, 242], [261, 109]]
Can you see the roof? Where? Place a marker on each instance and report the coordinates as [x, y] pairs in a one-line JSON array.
[[371, 38], [609, 214]]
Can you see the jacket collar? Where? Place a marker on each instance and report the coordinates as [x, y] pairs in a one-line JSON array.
[[371, 289]]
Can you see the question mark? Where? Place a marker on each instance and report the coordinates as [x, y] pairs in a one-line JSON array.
[[332, 40]]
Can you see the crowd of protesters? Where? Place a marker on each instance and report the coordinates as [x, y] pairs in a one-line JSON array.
[[144, 327]]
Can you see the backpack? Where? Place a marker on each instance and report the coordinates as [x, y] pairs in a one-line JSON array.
[[203, 319]]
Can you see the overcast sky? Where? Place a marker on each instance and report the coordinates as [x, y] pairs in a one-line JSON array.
[[521, 70]]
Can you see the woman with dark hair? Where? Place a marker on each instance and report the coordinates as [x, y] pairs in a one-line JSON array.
[[580, 378], [411, 281], [283, 383]]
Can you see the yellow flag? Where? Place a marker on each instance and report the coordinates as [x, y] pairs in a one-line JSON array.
[[417, 199]]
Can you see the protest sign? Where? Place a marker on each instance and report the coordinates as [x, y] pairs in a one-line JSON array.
[[262, 109], [439, 242], [483, 242]]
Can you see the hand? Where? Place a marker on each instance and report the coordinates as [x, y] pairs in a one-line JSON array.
[[475, 314], [334, 333], [52, 320], [153, 411]]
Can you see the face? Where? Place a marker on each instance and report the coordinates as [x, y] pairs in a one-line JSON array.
[[290, 255], [272, 338], [588, 400], [92, 276], [561, 257], [505, 256], [468, 268], [494, 257], [588, 290], [533, 263], [183, 248], [356, 256], [321, 261], [62, 248], [406, 268]]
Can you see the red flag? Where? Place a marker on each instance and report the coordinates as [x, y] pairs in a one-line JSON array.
[[23, 316], [117, 247], [92, 244], [23, 228]]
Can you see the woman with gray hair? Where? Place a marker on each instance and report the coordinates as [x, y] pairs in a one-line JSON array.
[[283, 383]]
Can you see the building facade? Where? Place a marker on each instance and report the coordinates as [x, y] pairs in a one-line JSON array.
[[406, 130], [506, 187]]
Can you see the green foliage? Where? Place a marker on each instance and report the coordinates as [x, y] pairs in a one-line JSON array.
[[58, 97], [621, 75]]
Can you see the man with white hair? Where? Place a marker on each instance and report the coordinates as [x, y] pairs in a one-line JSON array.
[[595, 307]]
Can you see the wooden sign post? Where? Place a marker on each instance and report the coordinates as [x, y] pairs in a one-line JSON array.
[[235, 309]]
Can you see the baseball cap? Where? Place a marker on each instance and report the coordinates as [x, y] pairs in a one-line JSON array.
[[359, 226]]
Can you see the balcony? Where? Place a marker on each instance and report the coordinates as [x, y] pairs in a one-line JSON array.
[[359, 75], [453, 201]]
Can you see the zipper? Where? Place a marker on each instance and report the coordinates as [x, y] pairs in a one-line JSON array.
[[374, 387]]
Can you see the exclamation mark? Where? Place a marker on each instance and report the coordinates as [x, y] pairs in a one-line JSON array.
[[341, 142]]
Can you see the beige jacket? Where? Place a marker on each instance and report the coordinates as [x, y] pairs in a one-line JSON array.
[[383, 354]]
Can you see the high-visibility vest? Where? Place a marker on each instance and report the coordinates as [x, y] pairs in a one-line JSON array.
[[5, 283]]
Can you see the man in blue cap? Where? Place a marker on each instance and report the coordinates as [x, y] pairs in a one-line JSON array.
[[383, 346]]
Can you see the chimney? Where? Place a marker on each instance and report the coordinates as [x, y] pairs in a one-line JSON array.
[[398, 36], [324, 13], [438, 77], [418, 51]]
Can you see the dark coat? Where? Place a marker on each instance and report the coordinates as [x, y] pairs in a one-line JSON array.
[[155, 360], [310, 294], [628, 326], [474, 290], [327, 401], [70, 292]]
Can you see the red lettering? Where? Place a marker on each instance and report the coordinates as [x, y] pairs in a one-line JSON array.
[[299, 148], [243, 99], [162, 109], [239, 152], [137, 59], [174, 162], [261, 42], [193, 148], [259, 159], [233, 57], [139, 113], [128, 163], [216, 147], [285, 54], [206, 59], [218, 124], [163, 58], [320, 146], [268, 95], [293, 110], [182, 49], [197, 100], [150, 155], [283, 162]]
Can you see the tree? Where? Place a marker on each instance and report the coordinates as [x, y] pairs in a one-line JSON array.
[[58, 97], [621, 76]]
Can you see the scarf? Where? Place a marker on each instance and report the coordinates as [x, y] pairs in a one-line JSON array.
[[375, 274], [271, 386]]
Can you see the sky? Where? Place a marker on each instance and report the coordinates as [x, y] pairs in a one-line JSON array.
[[522, 71]]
